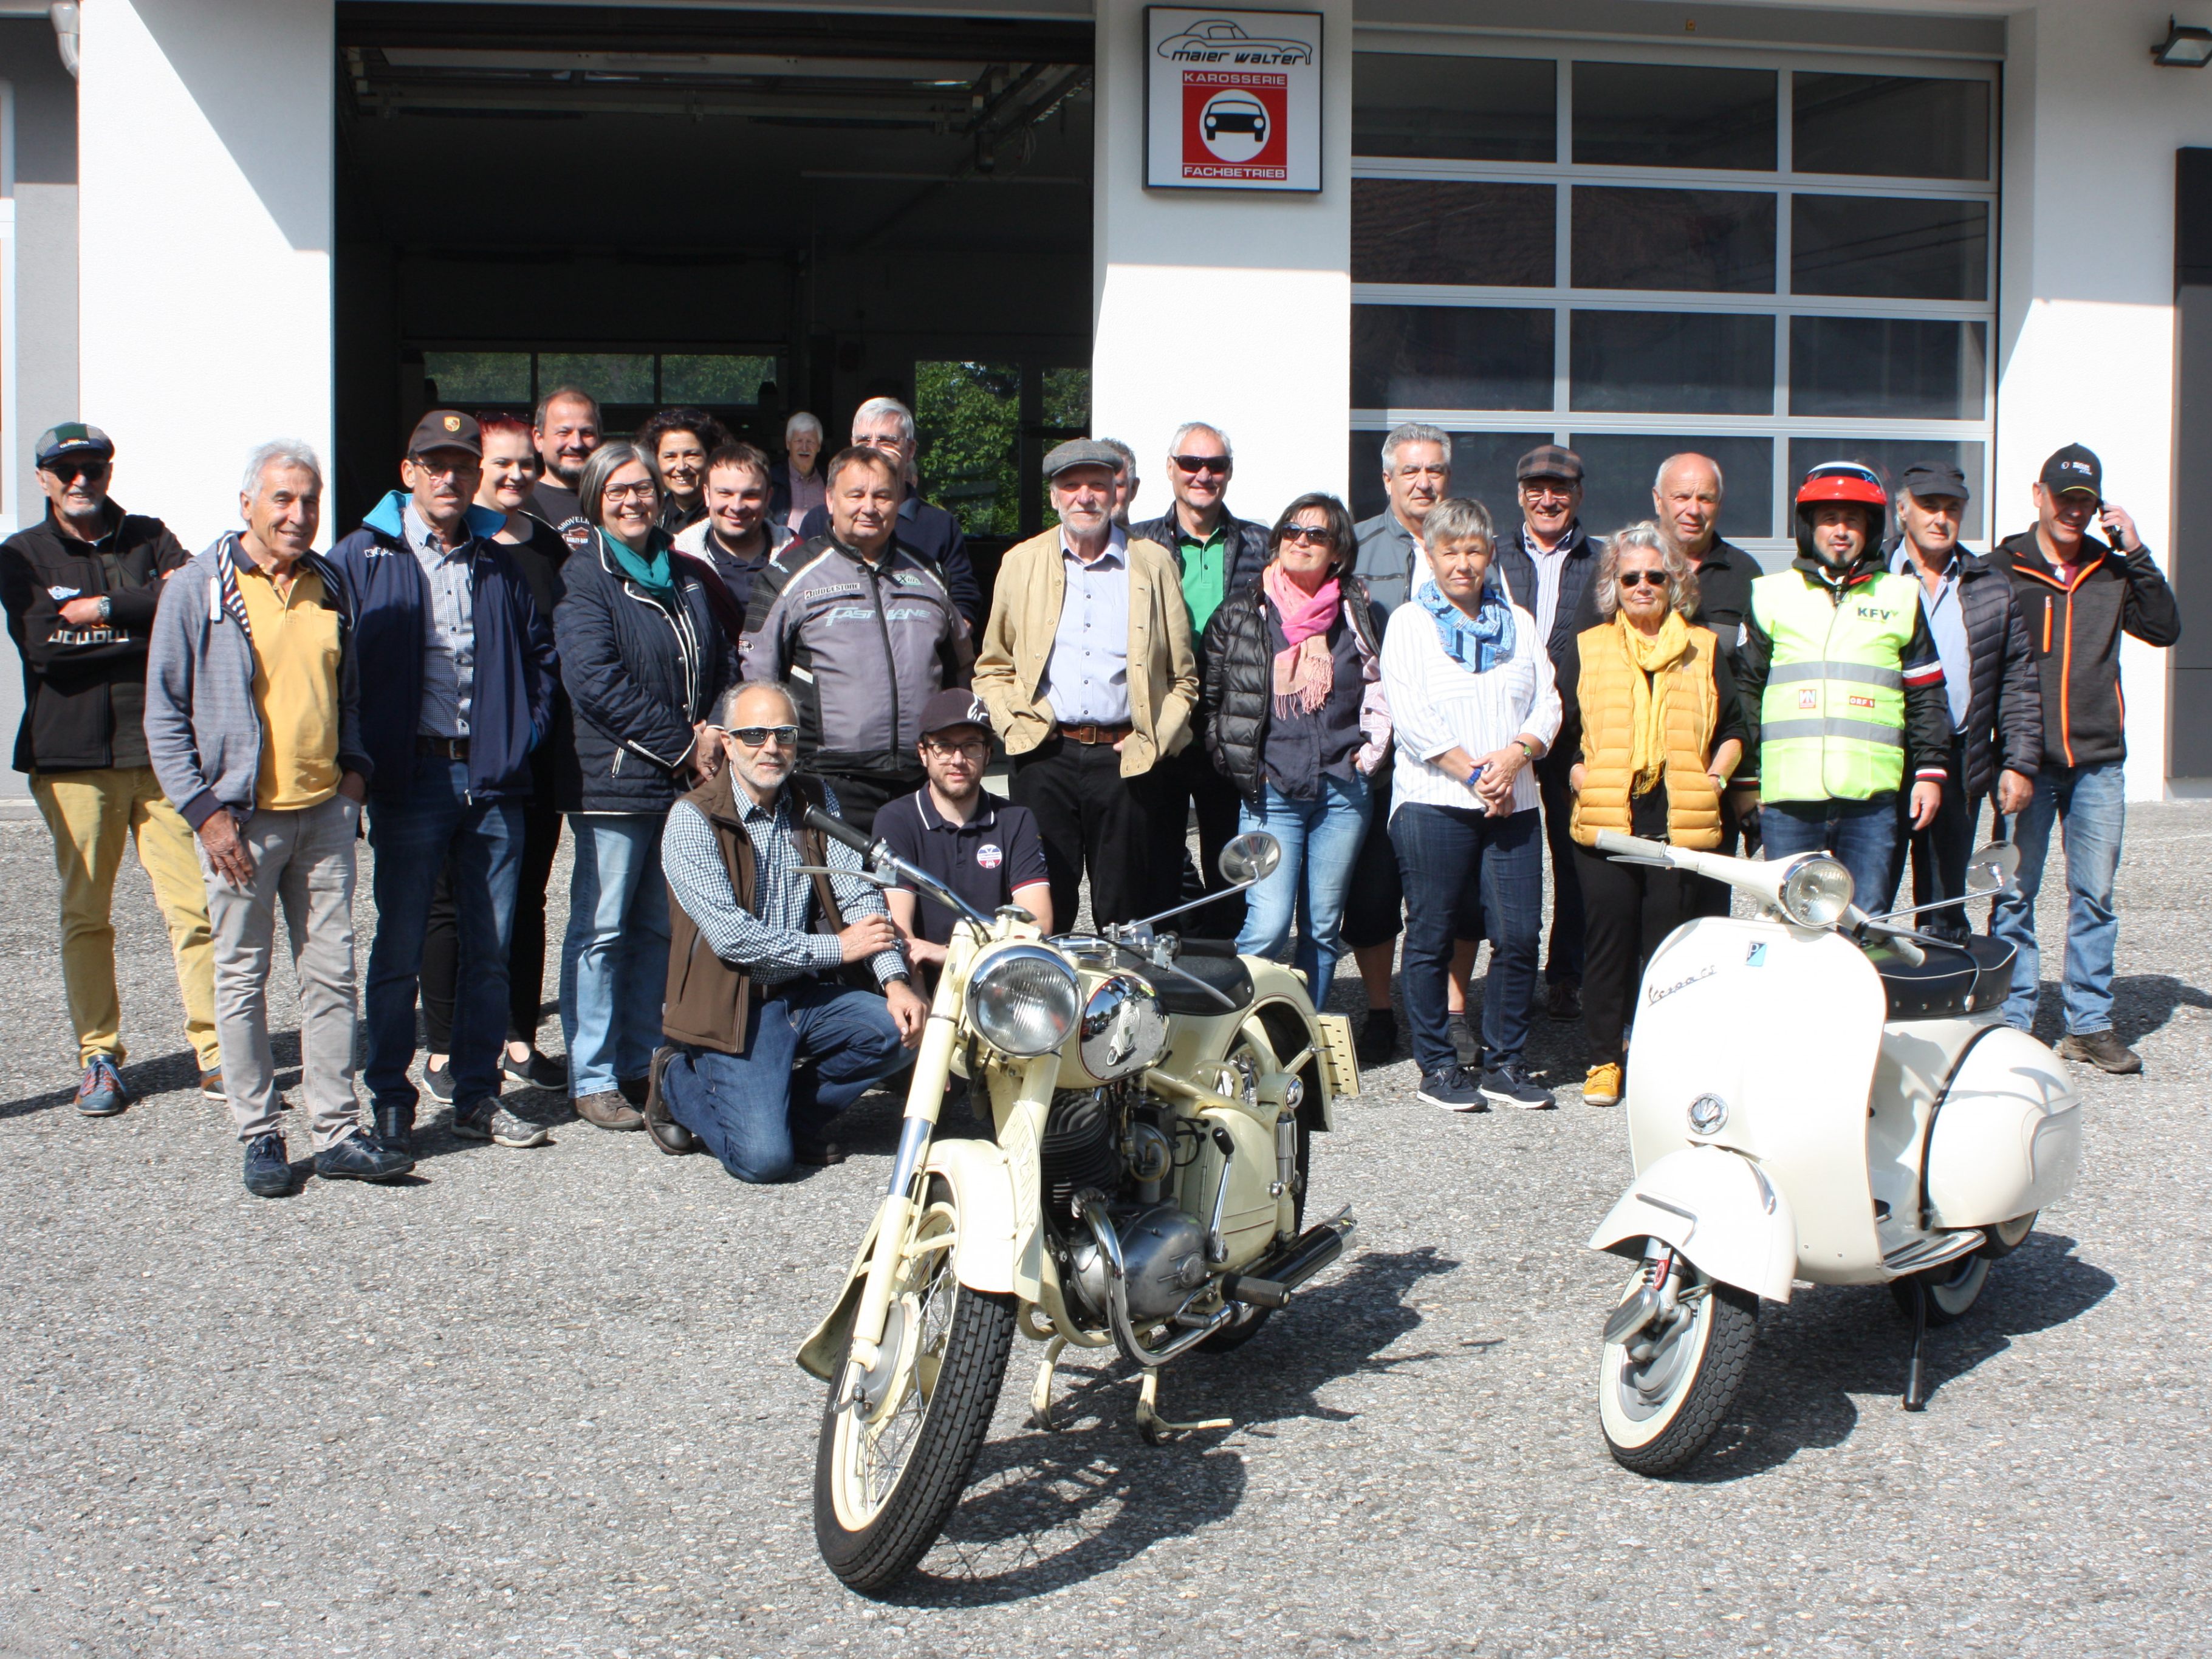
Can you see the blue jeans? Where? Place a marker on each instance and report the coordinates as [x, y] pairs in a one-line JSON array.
[[614, 957], [414, 834], [1862, 833], [745, 1107], [1321, 841], [2091, 806], [1442, 852]]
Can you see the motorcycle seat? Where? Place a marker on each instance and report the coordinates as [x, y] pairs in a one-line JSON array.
[[1226, 974], [1954, 979]]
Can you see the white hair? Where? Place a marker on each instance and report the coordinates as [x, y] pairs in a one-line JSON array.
[[1414, 432], [1659, 478], [1175, 444], [802, 422], [280, 452], [875, 406]]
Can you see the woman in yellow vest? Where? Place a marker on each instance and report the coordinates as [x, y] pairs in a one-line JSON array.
[[1660, 731]]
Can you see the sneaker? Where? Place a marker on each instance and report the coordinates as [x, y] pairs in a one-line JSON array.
[[1511, 1085], [100, 1092], [1602, 1086], [211, 1083], [607, 1108], [1378, 1037], [2102, 1049], [439, 1080], [1453, 1089], [1563, 999], [539, 1071], [359, 1158], [489, 1121], [268, 1171]]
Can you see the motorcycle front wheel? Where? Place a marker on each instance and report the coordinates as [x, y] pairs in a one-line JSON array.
[[1659, 1411], [886, 1477]]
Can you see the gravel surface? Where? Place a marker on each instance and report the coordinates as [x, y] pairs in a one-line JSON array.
[[542, 1402]]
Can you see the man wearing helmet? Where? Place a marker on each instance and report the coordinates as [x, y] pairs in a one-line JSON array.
[[1841, 680]]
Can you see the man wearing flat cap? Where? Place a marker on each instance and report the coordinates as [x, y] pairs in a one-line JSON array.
[[459, 668], [1086, 668], [1989, 678]]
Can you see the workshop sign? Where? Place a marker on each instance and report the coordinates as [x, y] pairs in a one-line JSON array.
[[1233, 99]]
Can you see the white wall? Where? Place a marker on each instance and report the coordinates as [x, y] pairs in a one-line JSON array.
[[205, 137], [1232, 308]]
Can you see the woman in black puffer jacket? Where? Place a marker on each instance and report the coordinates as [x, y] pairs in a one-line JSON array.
[[1294, 716]]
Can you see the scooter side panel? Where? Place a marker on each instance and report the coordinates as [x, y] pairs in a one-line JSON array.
[[2008, 1137]]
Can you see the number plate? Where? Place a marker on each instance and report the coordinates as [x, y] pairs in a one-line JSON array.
[[1340, 1060]]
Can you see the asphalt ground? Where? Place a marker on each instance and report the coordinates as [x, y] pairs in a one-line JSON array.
[[542, 1402]]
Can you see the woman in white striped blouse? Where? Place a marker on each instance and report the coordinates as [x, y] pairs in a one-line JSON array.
[[1470, 690]]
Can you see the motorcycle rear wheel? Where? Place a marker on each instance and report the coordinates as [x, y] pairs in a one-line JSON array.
[[1658, 1413], [885, 1483]]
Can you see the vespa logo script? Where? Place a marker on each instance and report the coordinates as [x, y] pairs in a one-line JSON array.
[[1661, 992]]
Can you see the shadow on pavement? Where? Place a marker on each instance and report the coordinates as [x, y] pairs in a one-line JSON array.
[[2143, 1003]]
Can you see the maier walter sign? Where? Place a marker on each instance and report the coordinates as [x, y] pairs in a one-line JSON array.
[[1232, 100]]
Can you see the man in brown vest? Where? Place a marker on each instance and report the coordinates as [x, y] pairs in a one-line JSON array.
[[768, 1042]]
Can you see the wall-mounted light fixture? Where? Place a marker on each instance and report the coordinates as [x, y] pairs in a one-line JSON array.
[[2185, 47]]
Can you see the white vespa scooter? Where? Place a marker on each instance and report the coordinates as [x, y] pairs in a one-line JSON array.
[[1813, 1094]]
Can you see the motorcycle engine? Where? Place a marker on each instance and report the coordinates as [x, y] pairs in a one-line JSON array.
[[1163, 1251], [1077, 1151]]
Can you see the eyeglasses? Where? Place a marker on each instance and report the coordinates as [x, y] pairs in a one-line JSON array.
[[759, 737], [1317, 535], [976, 749], [70, 472], [1642, 579], [1202, 464], [641, 492]]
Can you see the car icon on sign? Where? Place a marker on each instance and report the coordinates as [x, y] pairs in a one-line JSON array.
[[1244, 115], [1219, 35]]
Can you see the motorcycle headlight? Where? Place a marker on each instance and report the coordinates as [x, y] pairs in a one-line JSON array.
[[1124, 1028], [1817, 892], [1024, 1000]]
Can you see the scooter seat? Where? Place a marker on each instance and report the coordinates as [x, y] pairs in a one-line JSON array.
[[1953, 980], [1226, 974]]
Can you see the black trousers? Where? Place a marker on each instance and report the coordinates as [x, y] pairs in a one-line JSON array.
[[1374, 903], [863, 792], [1939, 853], [1712, 898], [1563, 957], [1203, 790], [525, 954], [1628, 909], [1126, 832]]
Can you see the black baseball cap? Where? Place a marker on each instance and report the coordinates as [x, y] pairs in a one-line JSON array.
[[1934, 478], [1549, 461], [2075, 468], [954, 706], [447, 428], [73, 441]]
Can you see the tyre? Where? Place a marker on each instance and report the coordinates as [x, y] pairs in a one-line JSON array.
[[884, 1481], [1658, 1412], [2008, 1236], [1952, 1288], [1231, 1338]]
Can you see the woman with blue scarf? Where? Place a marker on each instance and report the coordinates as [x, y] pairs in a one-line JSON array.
[[1472, 702]]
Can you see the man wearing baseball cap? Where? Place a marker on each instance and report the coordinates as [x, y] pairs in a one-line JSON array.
[[459, 673], [81, 587], [2078, 595]]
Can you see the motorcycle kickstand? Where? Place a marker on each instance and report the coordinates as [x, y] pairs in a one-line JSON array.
[[1156, 1429], [1916, 1395], [1040, 1390]]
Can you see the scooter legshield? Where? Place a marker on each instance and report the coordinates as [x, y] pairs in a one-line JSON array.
[[1716, 1208]]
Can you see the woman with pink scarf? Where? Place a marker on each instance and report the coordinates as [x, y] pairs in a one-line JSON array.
[[1293, 712]]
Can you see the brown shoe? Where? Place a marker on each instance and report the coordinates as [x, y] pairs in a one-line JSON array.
[[607, 1108], [2104, 1050], [672, 1137]]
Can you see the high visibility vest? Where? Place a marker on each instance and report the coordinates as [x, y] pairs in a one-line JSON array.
[[1832, 723]]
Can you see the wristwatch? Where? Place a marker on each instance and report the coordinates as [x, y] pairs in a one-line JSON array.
[[106, 608]]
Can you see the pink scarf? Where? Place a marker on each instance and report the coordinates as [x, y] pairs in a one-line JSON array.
[[1303, 673]]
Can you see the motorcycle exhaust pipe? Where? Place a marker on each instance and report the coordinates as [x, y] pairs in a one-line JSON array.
[[1271, 1279]]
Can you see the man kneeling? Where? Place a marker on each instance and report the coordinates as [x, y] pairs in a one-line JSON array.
[[769, 1043]]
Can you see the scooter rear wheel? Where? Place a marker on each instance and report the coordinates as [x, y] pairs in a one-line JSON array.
[[1952, 1288], [1658, 1412]]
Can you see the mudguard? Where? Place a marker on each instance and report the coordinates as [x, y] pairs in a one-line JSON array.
[[1716, 1208]]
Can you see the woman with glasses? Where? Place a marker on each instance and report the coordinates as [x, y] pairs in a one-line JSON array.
[[676, 443], [1294, 717], [642, 662], [1652, 704]]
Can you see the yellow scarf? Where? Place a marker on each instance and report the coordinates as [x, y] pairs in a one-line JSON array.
[[1647, 719]]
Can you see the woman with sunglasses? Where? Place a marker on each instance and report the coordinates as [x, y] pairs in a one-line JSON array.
[[1650, 702], [1292, 710], [642, 662]]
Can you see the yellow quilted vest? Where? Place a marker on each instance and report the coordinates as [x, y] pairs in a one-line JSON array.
[[1693, 806]]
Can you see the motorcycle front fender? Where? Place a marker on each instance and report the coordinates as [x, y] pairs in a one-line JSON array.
[[1717, 1209]]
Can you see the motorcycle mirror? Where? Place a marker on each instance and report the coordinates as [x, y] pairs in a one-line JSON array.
[[1250, 858], [1991, 870]]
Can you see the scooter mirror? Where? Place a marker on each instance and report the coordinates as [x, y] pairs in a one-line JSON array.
[[1991, 870], [1250, 858]]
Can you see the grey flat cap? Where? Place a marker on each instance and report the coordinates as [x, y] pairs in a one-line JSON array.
[[1081, 452]]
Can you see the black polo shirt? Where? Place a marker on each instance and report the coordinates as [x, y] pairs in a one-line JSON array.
[[983, 859]]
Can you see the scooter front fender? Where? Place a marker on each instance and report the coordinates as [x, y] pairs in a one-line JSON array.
[[1719, 1210]]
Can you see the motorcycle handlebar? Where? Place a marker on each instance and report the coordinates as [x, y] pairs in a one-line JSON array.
[[837, 830]]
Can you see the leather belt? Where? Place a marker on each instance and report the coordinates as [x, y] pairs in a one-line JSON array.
[[443, 748], [1095, 734]]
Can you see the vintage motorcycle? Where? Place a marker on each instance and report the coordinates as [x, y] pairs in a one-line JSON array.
[[1813, 1094], [1151, 1101]]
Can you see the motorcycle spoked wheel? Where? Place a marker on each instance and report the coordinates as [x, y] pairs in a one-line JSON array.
[[1233, 1337], [1658, 1413], [885, 1483]]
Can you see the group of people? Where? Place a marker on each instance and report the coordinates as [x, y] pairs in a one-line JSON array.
[[675, 646]]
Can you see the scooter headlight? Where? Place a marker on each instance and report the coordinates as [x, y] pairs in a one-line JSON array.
[[1024, 1000], [1817, 892]]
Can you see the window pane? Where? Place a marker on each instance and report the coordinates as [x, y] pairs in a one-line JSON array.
[[1657, 361], [1471, 109], [612, 377], [701, 379], [1890, 457], [1903, 369], [1450, 357], [1898, 126], [1067, 400], [1416, 230], [1617, 469], [969, 416], [1668, 115], [1885, 248], [1482, 470], [1710, 242], [479, 377]]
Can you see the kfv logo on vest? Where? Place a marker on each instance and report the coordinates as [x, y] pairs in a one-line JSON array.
[[1873, 614]]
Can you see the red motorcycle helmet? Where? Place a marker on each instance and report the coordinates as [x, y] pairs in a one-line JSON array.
[[1847, 482]]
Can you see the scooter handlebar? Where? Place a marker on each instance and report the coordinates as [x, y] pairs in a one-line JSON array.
[[837, 830], [1634, 847]]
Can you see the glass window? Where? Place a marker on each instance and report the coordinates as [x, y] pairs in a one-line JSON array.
[[1709, 241], [612, 377], [1068, 400], [715, 380], [1699, 362], [1418, 230], [969, 416], [479, 377], [1670, 115], [1890, 457], [1898, 127], [1904, 368], [1618, 468], [1482, 470], [1887, 247], [1464, 109], [1450, 357]]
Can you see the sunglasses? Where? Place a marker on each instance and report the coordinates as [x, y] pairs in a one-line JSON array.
[[1642, 579], [759, 737], [1202, 462], [70, 472], [1317, 535]]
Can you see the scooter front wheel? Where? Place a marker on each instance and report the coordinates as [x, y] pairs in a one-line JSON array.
[[1662, 1392]]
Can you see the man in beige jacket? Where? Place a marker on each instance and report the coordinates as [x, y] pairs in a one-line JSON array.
[[1087, 669]]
